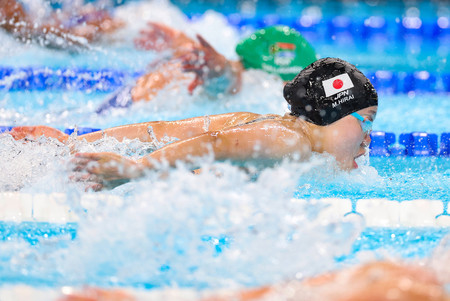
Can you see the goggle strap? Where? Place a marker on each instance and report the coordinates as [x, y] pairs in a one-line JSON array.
[[357, 116]]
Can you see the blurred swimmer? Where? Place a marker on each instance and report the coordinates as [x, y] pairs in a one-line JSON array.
[[332, 108], [375, 281], [61, 29], [278, 49]]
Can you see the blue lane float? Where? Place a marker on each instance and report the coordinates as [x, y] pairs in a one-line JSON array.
[[415, 144], [81, 130], [68, 131], [420, 81], [374, 26], [420, 144], [384, 80], [4, 129], [104, 80], [445, 145], [399, 29], [40, 79], [381, 141], [446, 81], [342, 25]]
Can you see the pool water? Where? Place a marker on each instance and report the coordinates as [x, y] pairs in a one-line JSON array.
[[223, 228], [397, 179]]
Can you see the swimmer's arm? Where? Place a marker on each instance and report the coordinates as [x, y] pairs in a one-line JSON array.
[[34, 132], [14, 19], [237, 144], [17, 22], [179, 129], [160, 37], [148, 85], [145, 132], [150, 131], [212, 70]]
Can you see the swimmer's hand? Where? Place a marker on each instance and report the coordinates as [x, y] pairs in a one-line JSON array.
[[104, 170], [34, 132], [159, 37], [205, 62], [74, 30]]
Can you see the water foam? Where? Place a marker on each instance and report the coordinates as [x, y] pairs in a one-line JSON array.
[[176, 228], [210, 230]]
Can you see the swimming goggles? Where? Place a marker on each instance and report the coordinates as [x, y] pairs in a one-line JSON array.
[[366, 125]]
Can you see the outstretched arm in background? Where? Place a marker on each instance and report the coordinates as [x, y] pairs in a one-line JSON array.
[[211, 69], [86, 25], [87, 22], [148, 85], [159, 37]]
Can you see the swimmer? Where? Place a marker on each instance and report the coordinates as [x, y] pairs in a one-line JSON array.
[[212, 70], [62, 29], [332, 108], [375, 281], [277, 49]]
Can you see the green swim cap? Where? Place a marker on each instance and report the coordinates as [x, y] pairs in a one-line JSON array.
[[277, 49]]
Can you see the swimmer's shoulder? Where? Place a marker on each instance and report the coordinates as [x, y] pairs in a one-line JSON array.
[[299, 127], [288, 134]]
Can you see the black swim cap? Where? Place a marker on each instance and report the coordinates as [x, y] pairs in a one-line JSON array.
[[328, 90]]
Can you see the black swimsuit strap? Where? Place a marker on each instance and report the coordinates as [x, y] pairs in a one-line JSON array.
[[260, 119]]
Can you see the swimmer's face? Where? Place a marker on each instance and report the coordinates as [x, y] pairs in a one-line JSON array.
[[346, 140]]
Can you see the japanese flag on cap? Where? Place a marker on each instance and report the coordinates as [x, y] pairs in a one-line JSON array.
[[337, 84], [310, 93]]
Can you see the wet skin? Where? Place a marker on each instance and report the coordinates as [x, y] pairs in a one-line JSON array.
[[234, 136], [189, 57], [345, 140], [15, 20]]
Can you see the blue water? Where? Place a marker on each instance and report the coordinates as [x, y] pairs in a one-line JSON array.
[[403, 178], [51, 239]]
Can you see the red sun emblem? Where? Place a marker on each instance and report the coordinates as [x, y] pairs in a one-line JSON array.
[[337, 84]]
